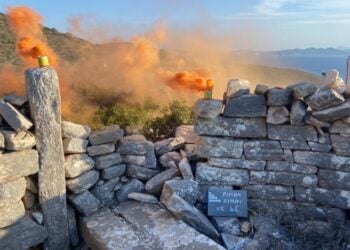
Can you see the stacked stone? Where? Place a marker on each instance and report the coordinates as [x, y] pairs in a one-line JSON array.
[[20, 217], [288, 147]]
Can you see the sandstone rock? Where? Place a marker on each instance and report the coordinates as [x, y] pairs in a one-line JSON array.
[[189, 214], [22, 235], [206, 174], [12, 191], [148, 198], [302, 89], [246, 106], [208, 108], [105, 192], [14, 118], [237, 163], [278, 97], [333, 113], [295, 145], [131, 148], [77, 164], [106, 135], [228, 225], [334, 198], [219, 147], [334, 179], [236, 86], [296, 133], [155, 185], [167, 145], [73, 130], [83, 182], [105, 161], [270, 192], [85, 203], [297, 113], [101, 149], [16, 100], [12, 166], [263, 150], [277, 115], [234, 127], [18, 141], [340, 127], [284, 178], [320, 147], [185, 189], [28, 200], [141, 173], [187, 132], [134, 185], [323, 160], [185, 169], [72, 227], [151, 160], [11, 213], [166, 158], [282, 166], [261, 89], [74, 145], [113, 172], [38, 217], [324, 98]]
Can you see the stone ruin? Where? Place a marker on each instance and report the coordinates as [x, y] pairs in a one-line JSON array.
[[64, 186]]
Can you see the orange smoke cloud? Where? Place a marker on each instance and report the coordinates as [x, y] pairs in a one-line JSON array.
[[26, 24]]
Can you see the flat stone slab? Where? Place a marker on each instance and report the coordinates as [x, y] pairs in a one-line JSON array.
[[185, 189], [237, 163], [73, 130], [11, 213], [141, 226], [101, 149], [16, 100], [324, 98], [106, 135], [83, 182], [302, 89], [155, 185], [108, 160], [340, 127], [263, 150], [296, 133], [334, 179], [340, 144], [14, 118], [245, 106], [15, 141], [283, 166], [333, 113], [295, 145], [141, 173], [234, 127], [270, 192], [279, 97], [208, 108], [74, 145], [187, 132], [284, 178], [85, 203], [219, 147]]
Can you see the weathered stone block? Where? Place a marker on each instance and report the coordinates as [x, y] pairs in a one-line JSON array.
[[261, 89], [11, 213], [218, 147], [106, 135], [105, 161], [208, 108], [282, 166], [185, 169], [185, 189], [237, 163], [101, 149], [302, 89], [168, 145], [245, 106], [320, 147], [277, 115], [333, 113], [278, 97], [283, 178], [18, 164], [263, 150], [311, 120], [206, 174], [74, 145], [334, 179], [155, 185], [18, 141], [83, 182], [131, 148], [141, 173], [187, 132], [138, 160], [85, 203], [12, 191], [234, 127], [113, 172], [141, 197], [270, 192], [166, 158], [297, 113], [340, 144], [295, 145], [324, 98], [334, 198], [73, 130], [14, 118], [340, 127], [296, 133], [77, 164], [105, 192], [134, 185]]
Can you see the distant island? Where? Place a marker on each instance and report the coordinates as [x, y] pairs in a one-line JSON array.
[[298, 52]]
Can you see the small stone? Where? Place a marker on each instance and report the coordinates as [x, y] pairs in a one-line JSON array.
[[333, 113], [185, 169], [245, 227], [105, 192], [324, 98], [124, 179], [14, 118], [340, 127], [118, 186], [77, 164], [187, 132], [11, 213], [148, 198], [151, 159], [302, 89], [113, 172], [72, 226], [134, 185], [105, 161], [297, 113], [228, 225], [141, 173], [263, 150], [278, 97], [237, 87], [16, 100], [155, 185], [277, 115], [237, 163], [208, 108], [320, 147], [300, 145], [138, 160], [166, 158], [186, 189], [83, 182], [38, 217], [106, 135], [168, 145], [74, 145], [311, 120], [261, 89], [246, 106], [18, 141], [28, 200], [101, 149], [219, 147], [73, 130], [131, 148], [85, 203], [296, 133]]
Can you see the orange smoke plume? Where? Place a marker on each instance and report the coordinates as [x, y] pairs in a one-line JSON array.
[[26, 24]]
